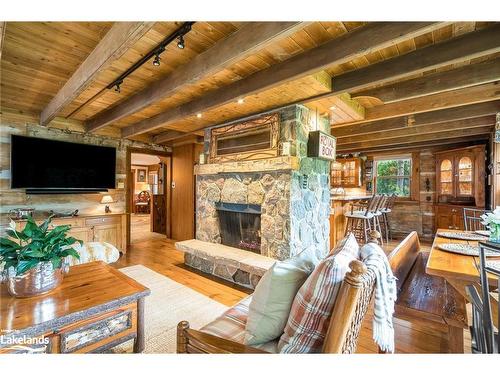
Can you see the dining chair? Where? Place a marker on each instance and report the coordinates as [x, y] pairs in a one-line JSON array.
[[472, 219], [484, 337]]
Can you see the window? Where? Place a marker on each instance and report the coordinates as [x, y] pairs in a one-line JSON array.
[[393, 176]]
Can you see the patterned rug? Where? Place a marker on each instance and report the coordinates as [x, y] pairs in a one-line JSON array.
[[168, 304]]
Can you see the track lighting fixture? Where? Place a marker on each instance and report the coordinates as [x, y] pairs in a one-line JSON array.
[[180, 43], [156, 61], [117, 87]]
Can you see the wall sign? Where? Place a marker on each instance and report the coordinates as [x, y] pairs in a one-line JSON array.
[[321, 145]]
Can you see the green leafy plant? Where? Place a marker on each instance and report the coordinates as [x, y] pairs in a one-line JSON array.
[[24, 249]]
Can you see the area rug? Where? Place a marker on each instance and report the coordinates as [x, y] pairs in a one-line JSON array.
[[168, 304]]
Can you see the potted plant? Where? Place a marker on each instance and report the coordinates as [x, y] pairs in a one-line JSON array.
[[33, 259], [492, 221]]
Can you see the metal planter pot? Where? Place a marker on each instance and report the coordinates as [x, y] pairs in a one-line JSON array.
[[39, 280]]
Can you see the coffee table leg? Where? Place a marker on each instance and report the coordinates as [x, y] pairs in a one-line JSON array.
[[139, 340]]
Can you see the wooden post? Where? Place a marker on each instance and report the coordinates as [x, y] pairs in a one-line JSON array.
[[182, 340], [139, 341]]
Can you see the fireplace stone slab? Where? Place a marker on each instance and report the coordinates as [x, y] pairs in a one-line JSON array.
[[239, 266]]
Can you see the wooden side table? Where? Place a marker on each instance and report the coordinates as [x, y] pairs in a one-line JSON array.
[[96, 308]]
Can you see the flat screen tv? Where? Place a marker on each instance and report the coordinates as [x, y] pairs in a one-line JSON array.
[[46, 166]]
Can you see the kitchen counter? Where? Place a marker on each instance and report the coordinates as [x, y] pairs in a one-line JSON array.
[[346, 198]]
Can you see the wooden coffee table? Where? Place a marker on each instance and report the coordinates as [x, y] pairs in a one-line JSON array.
[[96, 308]]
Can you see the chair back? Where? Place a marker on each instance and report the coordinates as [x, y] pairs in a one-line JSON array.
[[143, 196], [472, 219], [373, 204], [403, 257], [382, 202], [490, 344], [390, 201]]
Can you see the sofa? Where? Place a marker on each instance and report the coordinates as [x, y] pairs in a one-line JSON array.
[[226, 333]]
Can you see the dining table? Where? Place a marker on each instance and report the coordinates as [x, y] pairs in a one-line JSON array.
[[457, 269]]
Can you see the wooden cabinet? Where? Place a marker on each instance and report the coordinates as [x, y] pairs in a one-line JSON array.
[[460, 176], [109, 228], [450, 217], [346, 173]]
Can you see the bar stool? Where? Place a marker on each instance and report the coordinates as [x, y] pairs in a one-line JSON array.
[[377, 214], [360, 223], [386, 210]]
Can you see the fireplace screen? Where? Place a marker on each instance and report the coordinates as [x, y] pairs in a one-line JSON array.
[[240, 225]]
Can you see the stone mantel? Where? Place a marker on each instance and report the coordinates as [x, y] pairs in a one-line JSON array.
[[280, 163]]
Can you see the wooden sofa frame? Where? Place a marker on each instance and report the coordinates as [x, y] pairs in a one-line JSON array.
[[347, 316]]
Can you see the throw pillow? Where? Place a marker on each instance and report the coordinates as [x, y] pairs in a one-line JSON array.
[[349, 244], [311, 310], [273, 297]]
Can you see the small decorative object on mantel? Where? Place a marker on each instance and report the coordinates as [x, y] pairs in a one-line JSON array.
[[34, 258], [107, 199], [492, 221], [202, 158], [321, 145]]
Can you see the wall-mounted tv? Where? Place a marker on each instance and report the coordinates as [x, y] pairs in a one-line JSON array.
[[46, 166]]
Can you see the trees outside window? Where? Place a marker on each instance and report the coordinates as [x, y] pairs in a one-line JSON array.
[[393, 176]]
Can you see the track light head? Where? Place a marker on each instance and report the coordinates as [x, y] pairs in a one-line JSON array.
[[117, 88], [156, 61], [180, 43]]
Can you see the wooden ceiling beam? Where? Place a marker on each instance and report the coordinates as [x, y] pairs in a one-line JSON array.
[[439, 116], [431, 137], [2, 36], [112, 46], [456, 50], [364, 40], [449, 99], [418, 146], [462, 77], [239, 45], [420, 130], [168, 136]]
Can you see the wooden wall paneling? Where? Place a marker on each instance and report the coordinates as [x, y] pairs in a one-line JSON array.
[[183, 198], [3, 25], [337, 51], [112, 46], [246, 41], [466, 76]]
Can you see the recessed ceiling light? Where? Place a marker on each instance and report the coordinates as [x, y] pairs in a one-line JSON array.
[[241, 101], [333, 107], [198, 115]]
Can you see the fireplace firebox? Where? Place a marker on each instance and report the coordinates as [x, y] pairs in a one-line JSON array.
[[240, 225]]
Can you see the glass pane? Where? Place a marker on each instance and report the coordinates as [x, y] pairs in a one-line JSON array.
[[465, 188], [465, 176], [396, 167], [394, 185], [446, 165], [446, 188], [446, 176]]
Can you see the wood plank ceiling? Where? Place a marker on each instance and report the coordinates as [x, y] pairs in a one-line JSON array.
[[396, 78]]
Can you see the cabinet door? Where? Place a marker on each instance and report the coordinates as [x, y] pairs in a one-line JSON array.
[[108, 233], [83, 233], [444, 218]]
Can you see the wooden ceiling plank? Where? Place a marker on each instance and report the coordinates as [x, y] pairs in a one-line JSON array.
[[237, 46], [470, 75], [438, 116], [168, 136], [113, 45], [340, 50], [421, 129], [2, 36], [462, 48]]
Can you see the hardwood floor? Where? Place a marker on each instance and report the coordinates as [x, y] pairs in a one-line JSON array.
[[140, 229], [160, 255]]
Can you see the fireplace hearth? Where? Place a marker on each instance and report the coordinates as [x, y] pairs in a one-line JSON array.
[[240, 225]]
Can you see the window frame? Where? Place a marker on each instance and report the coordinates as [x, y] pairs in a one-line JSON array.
[[410, 177]]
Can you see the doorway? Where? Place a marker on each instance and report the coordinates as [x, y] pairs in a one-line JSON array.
[[148, 194]]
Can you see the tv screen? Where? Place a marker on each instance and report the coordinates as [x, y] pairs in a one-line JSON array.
[[44, 164]]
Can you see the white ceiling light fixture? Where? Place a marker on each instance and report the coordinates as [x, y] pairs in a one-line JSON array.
[[241, 101], [198, 115]]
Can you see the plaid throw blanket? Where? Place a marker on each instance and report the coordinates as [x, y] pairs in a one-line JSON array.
[[385, 295]]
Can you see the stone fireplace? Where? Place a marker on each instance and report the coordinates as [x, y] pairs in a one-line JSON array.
[[240, 225], [278, 192]]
